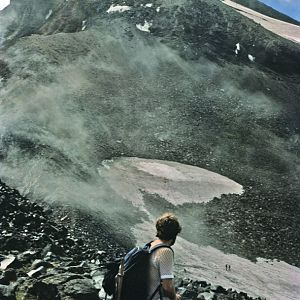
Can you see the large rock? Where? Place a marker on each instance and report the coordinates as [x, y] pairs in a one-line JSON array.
[[16, 242], [44, 291], [9, 262], [40, 263], [54, 249], [7, 292], [81, 289], [27, 257], [189, 294], [47, 287], [9, 276], [37, 272]]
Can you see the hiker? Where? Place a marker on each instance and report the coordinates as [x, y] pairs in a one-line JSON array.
[[162, 259], [146, 273]]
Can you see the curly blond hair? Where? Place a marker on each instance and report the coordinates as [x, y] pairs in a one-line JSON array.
[[167, 227]]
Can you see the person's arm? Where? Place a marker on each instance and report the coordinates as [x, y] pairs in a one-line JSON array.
[[166, 264], [169, 289]]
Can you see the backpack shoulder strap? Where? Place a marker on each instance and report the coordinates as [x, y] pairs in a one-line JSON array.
[[160, 246]]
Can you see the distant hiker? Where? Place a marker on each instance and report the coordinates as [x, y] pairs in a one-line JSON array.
[[146, 273], [226, 266], [229, 267]]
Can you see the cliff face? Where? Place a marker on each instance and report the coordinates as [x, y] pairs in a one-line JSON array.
[[187, 81]]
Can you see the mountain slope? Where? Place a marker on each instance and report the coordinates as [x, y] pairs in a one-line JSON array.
[[82, 85], [283, 29]]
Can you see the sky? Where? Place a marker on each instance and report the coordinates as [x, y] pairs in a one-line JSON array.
[[288, 7]]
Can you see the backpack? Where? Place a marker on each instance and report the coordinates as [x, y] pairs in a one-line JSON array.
[[135, 280]]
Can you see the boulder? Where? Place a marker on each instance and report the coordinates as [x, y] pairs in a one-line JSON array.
[[188, 293], [37, 272], [203, 283], [44, 291], [7, 292], [9, 276], [9, 262], [81, 289], [54, 249], [27, 256], [40, 263], [208, 296], [97, 276], [218, 289], [15, 243], [75, 269], [20, 219]]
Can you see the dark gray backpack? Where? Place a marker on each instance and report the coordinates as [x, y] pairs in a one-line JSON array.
[[134, 281]]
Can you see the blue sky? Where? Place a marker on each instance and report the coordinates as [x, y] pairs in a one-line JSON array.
[[288, 7]]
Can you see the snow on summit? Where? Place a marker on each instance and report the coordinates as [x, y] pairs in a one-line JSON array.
[[284, 29], [118, 8]]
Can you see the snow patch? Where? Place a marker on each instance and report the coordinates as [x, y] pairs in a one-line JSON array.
[[145, 27], [251, 58], [158, 9], [162, 170], [49, 14], [273, 280], [147, 5], [84, 25], [237, 49], [118, 8], [4, 3], [176, 183]]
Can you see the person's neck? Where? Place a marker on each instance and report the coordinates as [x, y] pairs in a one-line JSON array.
[[166, 242]]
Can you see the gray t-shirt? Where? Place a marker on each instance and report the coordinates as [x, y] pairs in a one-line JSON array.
[[161, 267]]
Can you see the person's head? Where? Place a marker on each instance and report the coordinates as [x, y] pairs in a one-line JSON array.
[[167, 227]]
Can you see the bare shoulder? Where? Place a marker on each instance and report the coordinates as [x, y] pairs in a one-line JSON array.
[[165, 251]]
